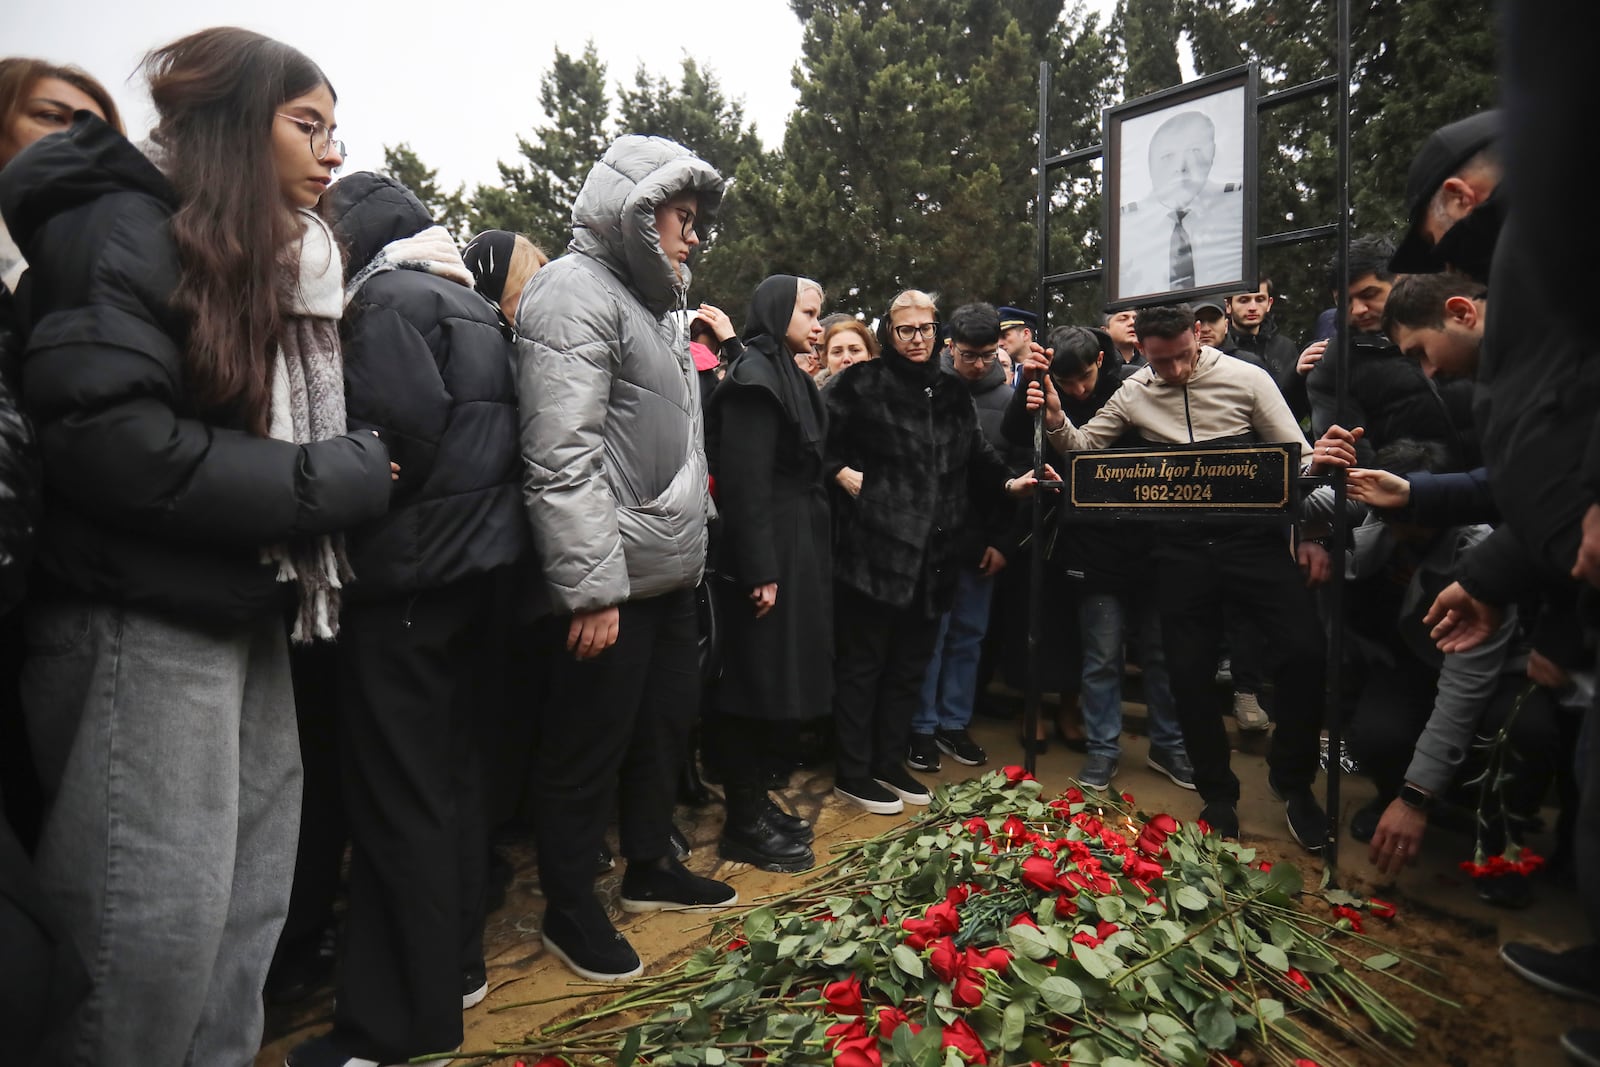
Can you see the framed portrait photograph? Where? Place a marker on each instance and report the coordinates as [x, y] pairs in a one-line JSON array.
[[1180, 192]]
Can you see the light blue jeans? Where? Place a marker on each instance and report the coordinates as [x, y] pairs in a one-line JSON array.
[[950, 688], [172, 772], [1102, 622]]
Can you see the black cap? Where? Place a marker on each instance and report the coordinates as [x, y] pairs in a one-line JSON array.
[[1011, 318], [1215, 305], [1441, 156]]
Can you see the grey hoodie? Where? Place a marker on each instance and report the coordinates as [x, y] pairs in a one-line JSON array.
[[615, 480]]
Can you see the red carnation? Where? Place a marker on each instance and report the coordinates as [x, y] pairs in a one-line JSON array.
[[961, 1037], [844, 997], [1350, 914]]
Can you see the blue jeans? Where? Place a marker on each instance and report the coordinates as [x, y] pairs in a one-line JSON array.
[[170, 762], [950, 688], [1101, 624]]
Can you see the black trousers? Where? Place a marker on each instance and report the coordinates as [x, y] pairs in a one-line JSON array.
[[314, 671], [413, 792], [1394, 707], [614, 727], [1205, 574], [881, 654]]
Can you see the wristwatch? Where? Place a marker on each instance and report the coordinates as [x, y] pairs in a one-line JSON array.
[[1412, 797]]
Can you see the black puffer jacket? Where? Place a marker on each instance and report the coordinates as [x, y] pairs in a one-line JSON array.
[[428, 364], [1275, 354], [147, 501], [1392, 400], [913, 434], [19, 467], [992, 526]]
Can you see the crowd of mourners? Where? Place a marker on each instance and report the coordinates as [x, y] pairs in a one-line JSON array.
[[300, 499]]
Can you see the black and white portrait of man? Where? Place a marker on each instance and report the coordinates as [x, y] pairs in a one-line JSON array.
[[1181, 209]]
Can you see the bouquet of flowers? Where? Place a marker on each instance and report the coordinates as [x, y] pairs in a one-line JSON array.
[[1002, 928]]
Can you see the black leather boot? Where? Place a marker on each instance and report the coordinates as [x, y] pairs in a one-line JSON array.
[[790, 825], [751, 836]]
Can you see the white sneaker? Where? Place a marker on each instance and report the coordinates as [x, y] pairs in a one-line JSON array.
[[1249, 713]]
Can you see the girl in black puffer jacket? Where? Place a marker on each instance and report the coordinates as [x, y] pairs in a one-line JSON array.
[[428, 365], [181, 373]]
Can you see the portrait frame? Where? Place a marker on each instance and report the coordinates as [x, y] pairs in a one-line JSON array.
[[1140, 246]]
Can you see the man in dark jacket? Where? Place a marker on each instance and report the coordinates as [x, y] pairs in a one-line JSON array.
[[1253, 335], [427, 364], [950, 686], [1389, 396]]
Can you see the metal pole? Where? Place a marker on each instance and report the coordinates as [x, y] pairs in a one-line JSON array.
[[1334, 707], [1030, 708]]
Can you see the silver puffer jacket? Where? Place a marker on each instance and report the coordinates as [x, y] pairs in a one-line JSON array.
[[615, 472]]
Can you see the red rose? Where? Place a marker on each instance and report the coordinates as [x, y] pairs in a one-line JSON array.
[[1014, 828], [844, 997], [733, 946], [946, 959], [891, 1019], [1015, 773], [1088, 940], [1040, 873], [919, 932], [1026, 919], [1381, 908], [977, 827], [1264, 866], [945, 916], [1066, 907], [1142, 870], [958, 894], [1089, 824], [1153, 838], [1074, 795], [995, 959], [858, 1054], [1103, 930], [1299, 979], [967, 990], [961, 1037]]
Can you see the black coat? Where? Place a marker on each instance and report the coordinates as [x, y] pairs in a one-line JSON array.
[[1392, 400], [148, 501], [913, 434], [19, 467], [1278, 356], [766, 457], [427, 363], [995, 524]]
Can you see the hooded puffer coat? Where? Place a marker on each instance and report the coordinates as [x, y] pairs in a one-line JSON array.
[[615, 473]]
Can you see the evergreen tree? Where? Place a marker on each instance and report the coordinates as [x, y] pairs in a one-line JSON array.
[[536, 191], [449, 210], [1149, 32]]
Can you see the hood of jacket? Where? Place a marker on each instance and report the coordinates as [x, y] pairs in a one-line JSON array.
[[614, 216], [370, 211], [64, 170]]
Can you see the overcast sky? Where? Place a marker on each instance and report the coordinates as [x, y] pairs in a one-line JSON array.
[[458, 80]]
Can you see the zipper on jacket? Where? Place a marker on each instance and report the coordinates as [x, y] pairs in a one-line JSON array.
[[1187, 418], [405, 619]]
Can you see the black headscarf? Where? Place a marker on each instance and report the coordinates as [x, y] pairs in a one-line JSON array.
[[765, 328], [488, 257]]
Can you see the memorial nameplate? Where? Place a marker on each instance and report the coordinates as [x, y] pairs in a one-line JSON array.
[[1203, 482]]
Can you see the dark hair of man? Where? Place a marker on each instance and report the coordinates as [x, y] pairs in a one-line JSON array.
[[1417, 300], [1368, 255], [975, 324], [1075, 349], [18, 75], [1166, 322], [1408, 455], [217, 94]]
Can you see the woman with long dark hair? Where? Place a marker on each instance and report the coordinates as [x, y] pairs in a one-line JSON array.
[[183, 374], [765, 432]]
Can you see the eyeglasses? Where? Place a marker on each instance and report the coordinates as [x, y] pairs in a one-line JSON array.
[[322, 142], [910, 332], [686, 217], [975, 358]]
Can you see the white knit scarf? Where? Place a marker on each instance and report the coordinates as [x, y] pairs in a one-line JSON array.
[[307, 406]]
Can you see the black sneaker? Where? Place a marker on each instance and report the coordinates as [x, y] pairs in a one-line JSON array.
[[1364, 823], [474, 986], [869, 795], [1574, 973], [922, 754], [1097, 773], [589, 945], [1308, 823], [1582, 1046], [1174, 763], [959, 746], [667, 885], [1223, 820], [897, 781]]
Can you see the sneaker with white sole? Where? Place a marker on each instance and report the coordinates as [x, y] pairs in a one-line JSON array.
[[667, 885], [895, 779], [959, 746], [588, 944], [1098, 772], [1174, 763], [1249, 714], [474, 987], [922, 754], [869, 795]]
